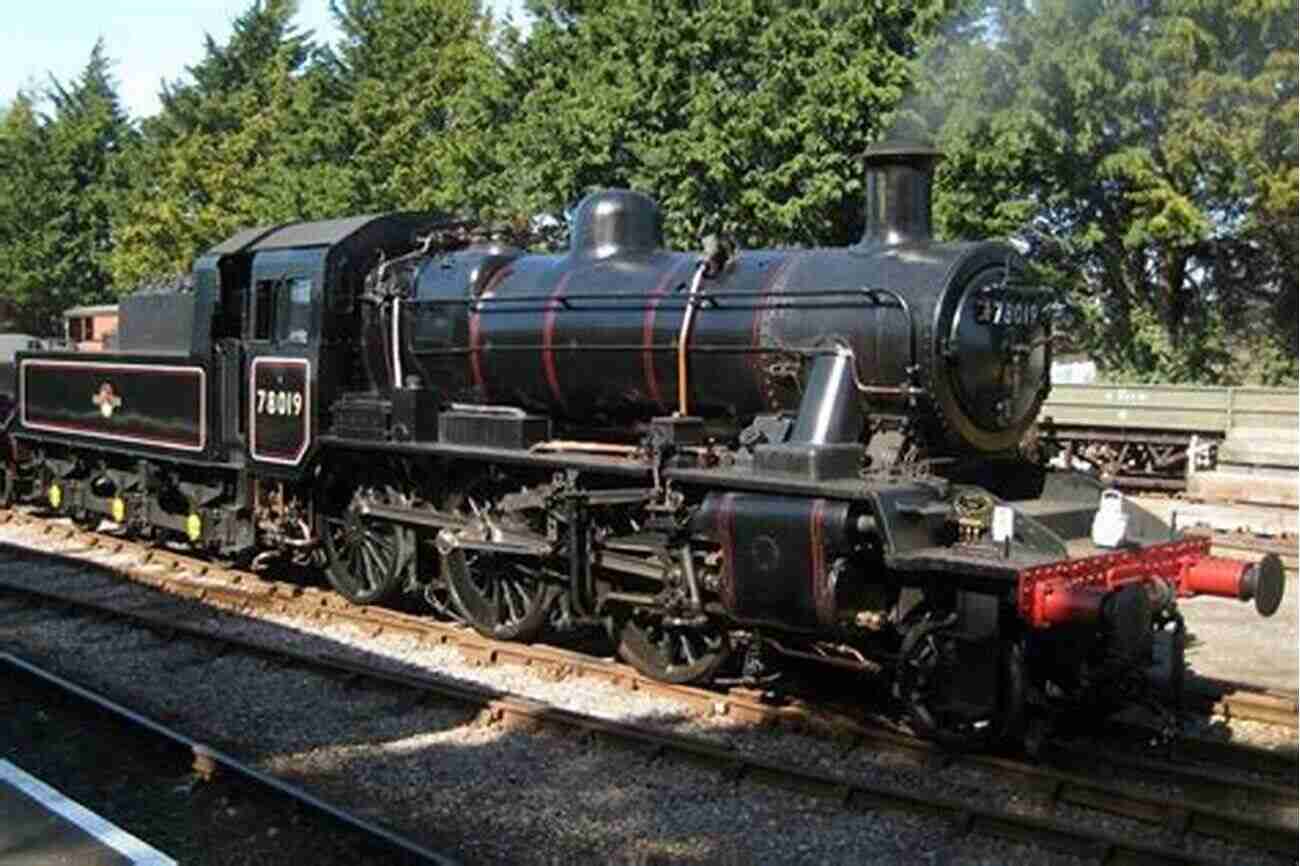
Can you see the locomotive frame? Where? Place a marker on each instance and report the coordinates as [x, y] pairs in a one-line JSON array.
[[496, 431]]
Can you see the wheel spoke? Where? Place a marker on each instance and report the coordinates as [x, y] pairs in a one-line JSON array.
[[350, 556], [380, 548], [686, 650], [515, 616], [370, 566], [383, 544], [494, 599]]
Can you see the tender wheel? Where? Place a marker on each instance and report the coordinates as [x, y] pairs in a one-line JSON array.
[[930, 668], [674, 653], [366, 560]]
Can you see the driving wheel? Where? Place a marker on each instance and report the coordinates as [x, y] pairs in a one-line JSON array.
[[500, 595], [366, 560]]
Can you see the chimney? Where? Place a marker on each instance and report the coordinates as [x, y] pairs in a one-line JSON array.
[[899, 176]]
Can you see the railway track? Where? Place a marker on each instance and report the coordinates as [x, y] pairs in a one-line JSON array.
[[1181, 818], [208, 762], [1202, 813], [181, 574], [178, 573]]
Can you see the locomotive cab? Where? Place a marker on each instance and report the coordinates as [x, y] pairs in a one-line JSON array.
[[311, 333]]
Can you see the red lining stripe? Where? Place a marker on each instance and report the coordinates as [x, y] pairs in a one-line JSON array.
[[822, 593], [475, 328], [138, 433], [548, 338]]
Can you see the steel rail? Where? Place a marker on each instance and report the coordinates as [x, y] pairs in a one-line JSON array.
[[1180, 817], [1241, 701], [751, 708], [208, 758]]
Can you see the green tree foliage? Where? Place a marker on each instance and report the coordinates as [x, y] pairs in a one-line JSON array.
[[417, 75], [63, 179], [1147, 154], [88, 134], [746, 116], [28, 243], [246, 141]]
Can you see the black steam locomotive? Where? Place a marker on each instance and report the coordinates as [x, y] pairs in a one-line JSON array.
[[731, 454]]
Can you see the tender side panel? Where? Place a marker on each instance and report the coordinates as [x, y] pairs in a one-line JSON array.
[[279, 410], [159, 405]]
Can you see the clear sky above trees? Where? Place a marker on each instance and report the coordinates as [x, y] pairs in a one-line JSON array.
[[54, 38]]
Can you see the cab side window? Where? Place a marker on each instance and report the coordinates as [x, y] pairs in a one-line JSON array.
[[264, 308], [283, 310], [297, 302]]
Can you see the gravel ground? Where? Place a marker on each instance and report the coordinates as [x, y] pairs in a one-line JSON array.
[[546, 797], [1229, 640]]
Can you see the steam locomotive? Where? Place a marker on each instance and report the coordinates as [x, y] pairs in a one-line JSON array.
[[721, 457]]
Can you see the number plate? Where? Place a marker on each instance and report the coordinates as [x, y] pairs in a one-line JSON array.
[[279, 410]]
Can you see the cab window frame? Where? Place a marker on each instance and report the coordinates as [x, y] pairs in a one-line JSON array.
[[284, 310]]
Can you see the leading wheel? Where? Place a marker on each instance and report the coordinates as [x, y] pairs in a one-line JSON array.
[[670, 651], [366, 560], [933, 661]]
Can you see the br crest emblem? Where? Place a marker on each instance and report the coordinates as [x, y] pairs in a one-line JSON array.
[[106, 399]]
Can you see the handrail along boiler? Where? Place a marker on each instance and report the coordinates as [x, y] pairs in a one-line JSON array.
[[722, 457]]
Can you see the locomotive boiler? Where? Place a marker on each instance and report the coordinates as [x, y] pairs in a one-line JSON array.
[[722, 457], [946, 341]]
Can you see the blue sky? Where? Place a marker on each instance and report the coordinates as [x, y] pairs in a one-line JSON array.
[[149, 40]]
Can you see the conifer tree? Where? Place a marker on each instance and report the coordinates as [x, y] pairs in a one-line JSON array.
[[418, 74], [28, 239], [62, 181], [245, 140], [747, 116], [87, 135]]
